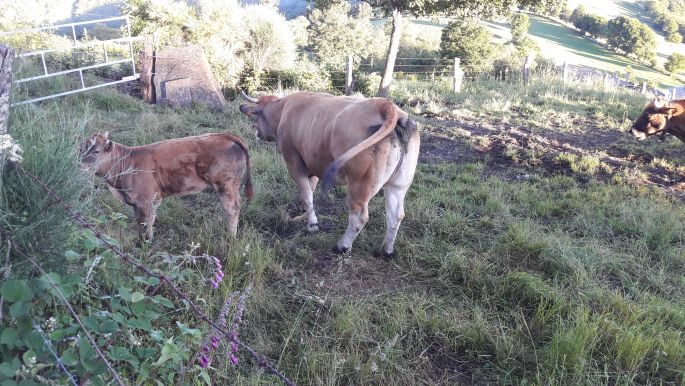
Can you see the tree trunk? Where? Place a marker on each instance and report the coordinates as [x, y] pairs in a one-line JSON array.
[[384, 90]]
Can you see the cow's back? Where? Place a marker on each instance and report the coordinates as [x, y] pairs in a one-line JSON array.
[[321, 127]]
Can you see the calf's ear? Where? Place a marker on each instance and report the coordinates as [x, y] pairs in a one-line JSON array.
[[108, 145]]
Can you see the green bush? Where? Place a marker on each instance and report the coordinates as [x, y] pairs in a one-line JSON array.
[[469, 41], [675, 63]]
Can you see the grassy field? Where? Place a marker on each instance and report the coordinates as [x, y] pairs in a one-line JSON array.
[[539, 246]]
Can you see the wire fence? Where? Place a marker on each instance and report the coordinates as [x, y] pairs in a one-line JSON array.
[[218, 326]]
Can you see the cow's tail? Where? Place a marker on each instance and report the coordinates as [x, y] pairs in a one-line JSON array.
[[389, 112], [249, 192]]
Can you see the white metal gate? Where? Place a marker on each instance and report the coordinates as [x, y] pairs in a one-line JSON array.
[[77, 45]]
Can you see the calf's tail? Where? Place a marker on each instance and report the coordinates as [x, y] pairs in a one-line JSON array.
[[388, 111], [249, 192]]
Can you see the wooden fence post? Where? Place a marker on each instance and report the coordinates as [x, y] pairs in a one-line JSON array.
[[348, 79], [458, 76], [147, 69], [606, 81], [526, 68], [565, 73], [644, 88], [673, 96], [616, 78], [6, 60]]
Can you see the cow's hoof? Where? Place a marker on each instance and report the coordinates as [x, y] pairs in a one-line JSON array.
[[383, 254], [312, 228], [340, 250]]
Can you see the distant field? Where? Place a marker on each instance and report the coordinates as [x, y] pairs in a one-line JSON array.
[[564, 44]]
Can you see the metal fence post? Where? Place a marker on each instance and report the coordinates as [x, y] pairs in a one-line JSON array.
[[6, 60], [348, 78], [526, 68], [458, 76]]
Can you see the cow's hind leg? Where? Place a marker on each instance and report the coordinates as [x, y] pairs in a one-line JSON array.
[[394, 213], [229, 195], [358, 195]]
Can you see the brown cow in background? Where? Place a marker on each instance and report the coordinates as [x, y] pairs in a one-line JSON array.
[[141, 176], [661, 117], [368, 144]]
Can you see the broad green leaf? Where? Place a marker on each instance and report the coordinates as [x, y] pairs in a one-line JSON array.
[[163, 301], [138, 309], [205, 377], [109, 327], [19, 309], [140, 323], [137, 296], [16, 290], [91, 323], [69, 358], [125, 293], [71, 255], [9, 336], [122, 354], [185, 330], [28, 357], [6, 370], [152, 281]]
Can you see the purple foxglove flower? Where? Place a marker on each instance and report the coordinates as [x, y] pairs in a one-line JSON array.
[[234, 359], [234, 347], [215, 284], [205, 348]]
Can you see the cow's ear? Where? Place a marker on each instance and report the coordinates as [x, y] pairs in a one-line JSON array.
[[668, 111], [250, 110], [105, 135], [108, 145]]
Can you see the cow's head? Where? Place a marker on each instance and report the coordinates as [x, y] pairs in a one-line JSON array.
[[259, 110], [96, 153], [653, 120]]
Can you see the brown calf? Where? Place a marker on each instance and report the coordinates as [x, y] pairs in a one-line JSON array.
[[141, 176]]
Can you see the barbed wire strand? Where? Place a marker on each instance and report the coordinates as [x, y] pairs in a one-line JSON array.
[[72, 311], [82, 222], [47, 344]]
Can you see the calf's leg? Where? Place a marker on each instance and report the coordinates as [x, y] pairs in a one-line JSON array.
[[394, 213], [231, 204]]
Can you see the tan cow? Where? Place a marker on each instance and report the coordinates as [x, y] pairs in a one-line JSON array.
[[368, 144], [661, 117], [141, 176]]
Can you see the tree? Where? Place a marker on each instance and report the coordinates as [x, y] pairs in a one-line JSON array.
[[577, 16], [397, 8], [468, 41], [675, 63], [632, 37], [519, 27], [338, 30]]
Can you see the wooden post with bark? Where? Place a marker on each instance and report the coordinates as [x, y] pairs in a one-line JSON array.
[[458, 76], [6, 60], [348, 79], [526, 68], [565, 73], [147, 70]]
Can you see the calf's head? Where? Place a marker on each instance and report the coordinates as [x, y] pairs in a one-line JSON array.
[[96, 154], [653, 120], [262, 111]]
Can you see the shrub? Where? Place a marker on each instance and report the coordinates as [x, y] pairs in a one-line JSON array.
[[305, 74], [468, 41], [675, 63]]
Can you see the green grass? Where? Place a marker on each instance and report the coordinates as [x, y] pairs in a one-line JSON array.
[[551, 280]]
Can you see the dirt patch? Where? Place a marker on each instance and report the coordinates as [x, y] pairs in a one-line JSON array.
[[512, 152]]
